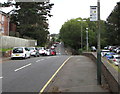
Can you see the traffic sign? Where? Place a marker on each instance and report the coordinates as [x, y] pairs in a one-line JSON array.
[[93, 13]]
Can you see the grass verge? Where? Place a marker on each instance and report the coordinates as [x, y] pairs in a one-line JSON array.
[[4, 50]]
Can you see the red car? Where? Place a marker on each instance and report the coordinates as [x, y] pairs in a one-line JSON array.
[[53, 52]]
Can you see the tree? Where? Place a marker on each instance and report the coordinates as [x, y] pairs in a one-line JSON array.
[[31, 19], [113, 26], [70, 33]]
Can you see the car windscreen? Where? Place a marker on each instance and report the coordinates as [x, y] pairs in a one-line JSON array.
[[18, 50], [31, 48], [41, 48]]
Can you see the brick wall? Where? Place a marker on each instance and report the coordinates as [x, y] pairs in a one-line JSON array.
[[5, 24]]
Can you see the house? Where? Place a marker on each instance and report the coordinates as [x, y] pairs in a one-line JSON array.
[[6, 27], [4, 24]]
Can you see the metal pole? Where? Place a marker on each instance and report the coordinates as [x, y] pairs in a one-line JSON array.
[[98, 47], [81, 34], [87, 38]]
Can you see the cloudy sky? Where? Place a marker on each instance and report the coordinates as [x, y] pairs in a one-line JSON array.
[[64, 10]]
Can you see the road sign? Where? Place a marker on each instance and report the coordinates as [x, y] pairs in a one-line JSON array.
[[93, 13]]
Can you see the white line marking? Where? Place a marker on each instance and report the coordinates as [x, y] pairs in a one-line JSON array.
[[22, 67], [40, 60], [37, 60], [1, 77]]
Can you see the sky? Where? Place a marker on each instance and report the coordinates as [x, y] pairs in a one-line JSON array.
[[64, 10]]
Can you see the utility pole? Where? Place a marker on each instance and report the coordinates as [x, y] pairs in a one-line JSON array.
[[87, 39], [81, 31], [98, 47], [81, 37]]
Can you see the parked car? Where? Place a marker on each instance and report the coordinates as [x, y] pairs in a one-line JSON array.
[[55, 45], [48, 52], [109, 48], [52, 47], [34, 51], [109, 55], [42, 51], [20, 52], [56, 42], [53, 52], [116, 59], [103, 52], [118, 50], [112, 47], [115, 50], [93, 48], [106, 47]]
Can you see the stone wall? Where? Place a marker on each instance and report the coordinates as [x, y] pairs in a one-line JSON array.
[[111, 75], [10, 42]]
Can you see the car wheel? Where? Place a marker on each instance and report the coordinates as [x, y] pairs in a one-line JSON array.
[[38, 55], [35, 55], [12, 58]]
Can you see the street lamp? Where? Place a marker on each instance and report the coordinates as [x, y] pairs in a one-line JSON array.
[[81, 33], [87, 39]]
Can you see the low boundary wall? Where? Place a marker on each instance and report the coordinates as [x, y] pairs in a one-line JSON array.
[[111, 75], [10, 42]]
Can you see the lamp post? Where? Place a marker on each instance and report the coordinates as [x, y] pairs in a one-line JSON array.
[[87, 39], [81, 33], [98, 47]]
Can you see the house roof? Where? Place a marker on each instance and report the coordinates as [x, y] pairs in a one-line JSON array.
[[3, 13]]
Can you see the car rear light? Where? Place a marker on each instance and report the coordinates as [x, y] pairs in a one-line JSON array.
[[114, 59]]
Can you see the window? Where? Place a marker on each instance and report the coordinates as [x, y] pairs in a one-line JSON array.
[[2, 29], [18, 50], [2, 18], [26, 49]]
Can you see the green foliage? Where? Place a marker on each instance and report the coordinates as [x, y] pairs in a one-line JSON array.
[[113, 27], [80, 51], [4, 50], [70, 33]]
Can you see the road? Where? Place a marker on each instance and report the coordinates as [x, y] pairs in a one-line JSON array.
[[30, 75]]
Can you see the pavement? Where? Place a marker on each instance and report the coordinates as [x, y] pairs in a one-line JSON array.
[[4, 59], [77, 75]]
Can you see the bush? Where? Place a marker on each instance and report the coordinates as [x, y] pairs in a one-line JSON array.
[[80, 51]]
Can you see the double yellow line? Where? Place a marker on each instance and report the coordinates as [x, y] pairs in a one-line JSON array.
[[41, 91]]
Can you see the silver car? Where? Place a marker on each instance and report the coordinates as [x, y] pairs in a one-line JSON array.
[[34, 51], [116, 59]]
